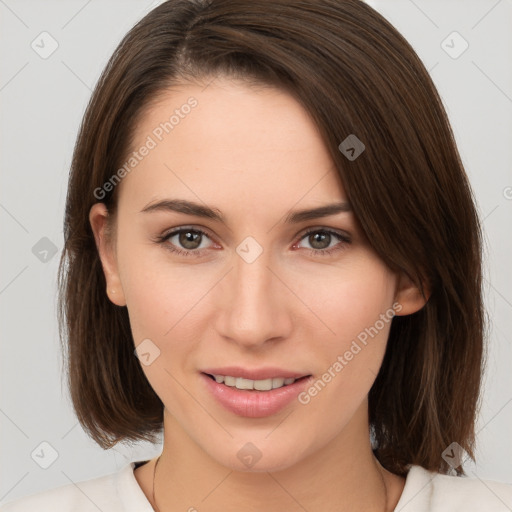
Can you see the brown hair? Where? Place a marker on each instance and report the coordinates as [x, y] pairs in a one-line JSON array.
[[355, 74]]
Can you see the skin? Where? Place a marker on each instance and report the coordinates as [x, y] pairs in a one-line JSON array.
[[255, 155]]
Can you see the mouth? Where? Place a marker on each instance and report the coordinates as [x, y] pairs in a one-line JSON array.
[[244, 384], [254, 398]]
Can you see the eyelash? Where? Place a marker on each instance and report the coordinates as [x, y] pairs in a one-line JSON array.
[[344, 239]]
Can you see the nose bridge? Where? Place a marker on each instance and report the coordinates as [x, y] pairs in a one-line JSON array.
[[256, 308]]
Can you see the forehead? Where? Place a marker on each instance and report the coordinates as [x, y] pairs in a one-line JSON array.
[[229, 141]]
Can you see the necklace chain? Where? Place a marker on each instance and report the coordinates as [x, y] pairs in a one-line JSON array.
[[154, 476], [157, 509]]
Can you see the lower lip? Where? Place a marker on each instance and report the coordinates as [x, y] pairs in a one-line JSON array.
[[252, 403]]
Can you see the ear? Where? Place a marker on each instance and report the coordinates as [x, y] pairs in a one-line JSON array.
[[409, 296], [98, 216]]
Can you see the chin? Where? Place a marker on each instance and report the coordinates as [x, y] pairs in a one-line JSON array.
[[258, 457]]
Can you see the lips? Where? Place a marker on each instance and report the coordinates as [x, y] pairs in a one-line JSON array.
[[252, 403]]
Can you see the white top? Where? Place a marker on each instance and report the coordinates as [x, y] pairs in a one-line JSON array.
[[424, 491]]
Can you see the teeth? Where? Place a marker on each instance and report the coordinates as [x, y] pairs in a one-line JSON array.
[[259, 385], [230, 381]]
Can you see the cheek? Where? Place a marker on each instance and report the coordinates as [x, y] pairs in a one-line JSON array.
[[164, 306], [364, 298], [161, 302], [350, 298], [157, 294], [355, 306], [169, 304]]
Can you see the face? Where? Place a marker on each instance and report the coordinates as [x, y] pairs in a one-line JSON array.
[[256, 289]]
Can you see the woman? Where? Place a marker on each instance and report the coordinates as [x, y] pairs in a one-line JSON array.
[[272, 254]]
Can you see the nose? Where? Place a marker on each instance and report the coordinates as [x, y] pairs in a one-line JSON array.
[[254, 304]]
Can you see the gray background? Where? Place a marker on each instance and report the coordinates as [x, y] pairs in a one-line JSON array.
[[43, 100]]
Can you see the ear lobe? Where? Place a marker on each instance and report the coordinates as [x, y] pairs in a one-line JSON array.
[[409, 296], [98, 216]]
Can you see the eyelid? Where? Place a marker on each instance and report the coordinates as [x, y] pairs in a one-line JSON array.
[[344, 235], [200, 229]]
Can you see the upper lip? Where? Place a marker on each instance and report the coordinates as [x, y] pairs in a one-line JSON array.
[[255, 373]]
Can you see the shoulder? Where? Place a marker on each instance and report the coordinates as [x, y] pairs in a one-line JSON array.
[[116, 492], [427, 491]]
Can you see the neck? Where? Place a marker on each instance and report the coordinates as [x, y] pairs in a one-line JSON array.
[[343, 475]]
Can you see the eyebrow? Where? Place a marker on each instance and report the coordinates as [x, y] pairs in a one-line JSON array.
[[199, 210]]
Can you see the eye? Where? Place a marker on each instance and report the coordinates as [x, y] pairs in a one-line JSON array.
[[185, 241], [324, 242]]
